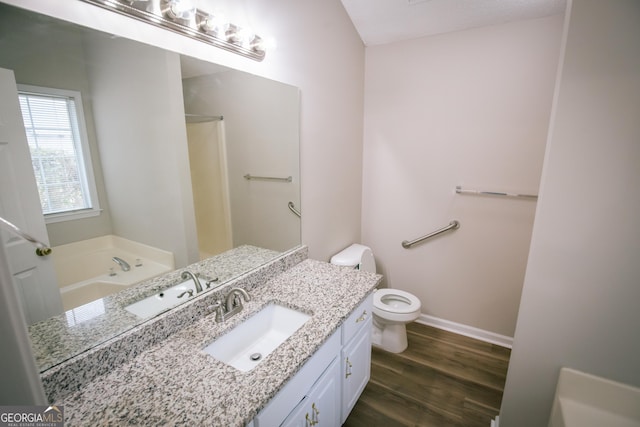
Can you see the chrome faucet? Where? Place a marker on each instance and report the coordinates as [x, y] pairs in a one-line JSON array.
[[234, 301], [232, 304], [124, 265], [189, 275]]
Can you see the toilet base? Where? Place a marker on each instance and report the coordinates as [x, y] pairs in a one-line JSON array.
[[389, 337]]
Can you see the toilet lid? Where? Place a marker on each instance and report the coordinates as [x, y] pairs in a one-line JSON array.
[[396, 301]]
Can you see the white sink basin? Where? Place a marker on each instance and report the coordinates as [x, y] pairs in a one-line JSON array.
[[162, 301], [248, 343]]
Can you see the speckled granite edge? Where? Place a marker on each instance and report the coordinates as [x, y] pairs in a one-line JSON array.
[[70, 375], [62, 337], [176, 383]]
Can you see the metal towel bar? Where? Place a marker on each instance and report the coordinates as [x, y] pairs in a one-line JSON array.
[[267, 178], [460, 190], [41, 248], [452, 226], [293, 209]]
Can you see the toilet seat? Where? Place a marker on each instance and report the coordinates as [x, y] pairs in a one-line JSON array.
[[409, 303]]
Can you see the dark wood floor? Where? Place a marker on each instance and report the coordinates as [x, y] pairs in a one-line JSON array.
[[442, 379]]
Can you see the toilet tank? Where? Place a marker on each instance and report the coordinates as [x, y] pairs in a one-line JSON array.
[[356, 256]]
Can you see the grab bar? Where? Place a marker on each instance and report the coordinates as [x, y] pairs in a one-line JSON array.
[[267, 178], [453, 225], [293, 209], [459, 190], [41, 248]]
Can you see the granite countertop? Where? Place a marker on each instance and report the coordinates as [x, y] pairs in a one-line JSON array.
[[75, 331], [175, 382]]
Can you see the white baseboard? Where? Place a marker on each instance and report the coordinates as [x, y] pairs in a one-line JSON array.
[[468, 331]]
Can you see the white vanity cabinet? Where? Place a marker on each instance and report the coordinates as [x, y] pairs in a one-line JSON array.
[[356, 355], [321, 406], [326, 388], [299, 388]]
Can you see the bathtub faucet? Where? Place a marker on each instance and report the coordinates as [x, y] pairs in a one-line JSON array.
[[122, 263]]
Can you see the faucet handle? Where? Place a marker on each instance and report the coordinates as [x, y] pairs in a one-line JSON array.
[[218, 308], [216, 304], [210, 281], [188, 291]]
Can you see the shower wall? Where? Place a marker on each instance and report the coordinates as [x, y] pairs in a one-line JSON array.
[[468, 108], [260, 140], [210, 190]]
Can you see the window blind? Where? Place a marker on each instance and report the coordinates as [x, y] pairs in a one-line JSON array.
[[51, 126]]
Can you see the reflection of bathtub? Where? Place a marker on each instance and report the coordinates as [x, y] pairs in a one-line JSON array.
[[84, 268]]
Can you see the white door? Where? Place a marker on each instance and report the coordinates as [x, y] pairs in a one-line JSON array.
[[33, 276]]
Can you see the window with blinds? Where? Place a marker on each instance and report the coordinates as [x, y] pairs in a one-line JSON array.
[[54, 124]]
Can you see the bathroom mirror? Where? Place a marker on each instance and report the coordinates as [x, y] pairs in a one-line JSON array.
[[161, 128]]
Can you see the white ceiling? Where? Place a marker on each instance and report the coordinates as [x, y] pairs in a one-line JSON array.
[[387, 21]]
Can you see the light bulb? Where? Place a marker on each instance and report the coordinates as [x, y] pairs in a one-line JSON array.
[[232, 33], [208, 24], [258, 45], [180, 9], [246, 37], [212, 24]]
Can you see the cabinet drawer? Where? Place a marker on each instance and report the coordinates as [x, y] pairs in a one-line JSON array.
[[357, 320]]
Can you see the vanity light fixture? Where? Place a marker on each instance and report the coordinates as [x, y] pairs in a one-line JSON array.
[[183, 17]]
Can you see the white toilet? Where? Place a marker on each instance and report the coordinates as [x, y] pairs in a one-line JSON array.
[[392, 308]]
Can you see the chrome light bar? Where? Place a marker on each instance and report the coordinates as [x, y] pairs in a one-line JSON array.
[[178, 16]]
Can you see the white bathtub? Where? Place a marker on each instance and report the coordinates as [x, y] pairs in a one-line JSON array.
[[84, 269]]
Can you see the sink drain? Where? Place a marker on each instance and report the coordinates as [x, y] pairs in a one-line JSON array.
[[255, 356]]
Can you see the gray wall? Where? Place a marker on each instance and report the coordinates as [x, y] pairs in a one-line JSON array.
[[471, 109], [139, 113], [579, 304], [261, 120], [56, 61]]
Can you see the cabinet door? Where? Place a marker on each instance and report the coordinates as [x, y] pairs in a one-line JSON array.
[[290, 396], [325, 402], [356, 368], [300, 416], [321, 407]]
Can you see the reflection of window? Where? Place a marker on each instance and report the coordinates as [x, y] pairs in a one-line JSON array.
[[57, 138], [85, 312]]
